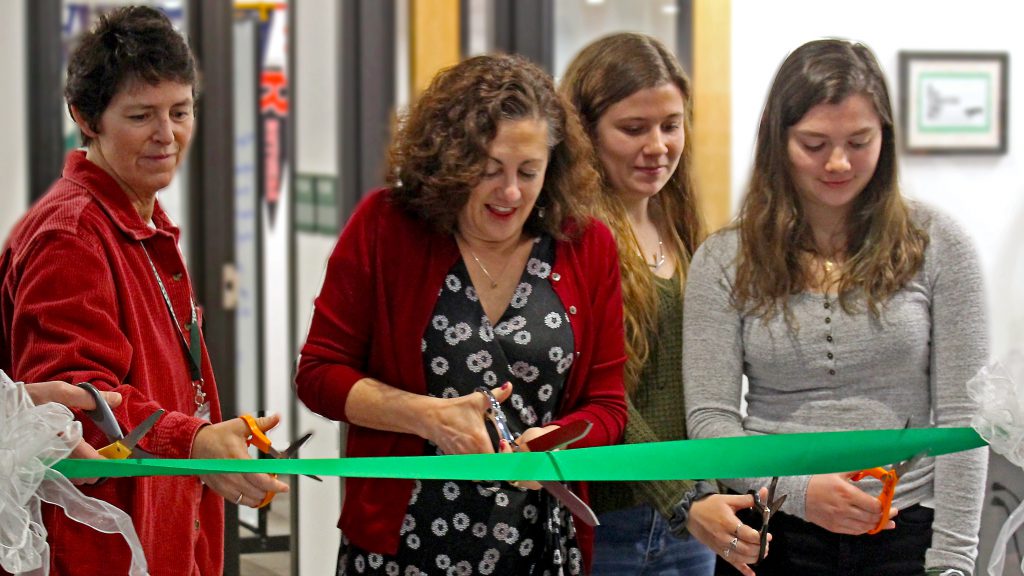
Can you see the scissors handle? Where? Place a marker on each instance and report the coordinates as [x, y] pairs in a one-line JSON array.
[[258, 439], [876, 472], [102, 415], [256, 436], [115, 451], [889, 479]]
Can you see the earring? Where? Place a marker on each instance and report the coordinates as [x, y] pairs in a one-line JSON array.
[[540, 212]]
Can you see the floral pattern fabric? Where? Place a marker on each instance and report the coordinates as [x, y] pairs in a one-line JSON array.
[[466, 528]]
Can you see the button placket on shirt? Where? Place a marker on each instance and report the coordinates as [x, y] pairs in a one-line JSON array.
[[829, 339]]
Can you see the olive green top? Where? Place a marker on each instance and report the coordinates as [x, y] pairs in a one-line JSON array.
[[656, 410]]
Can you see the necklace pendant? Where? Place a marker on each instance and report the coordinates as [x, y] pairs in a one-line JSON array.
[[659, 258]]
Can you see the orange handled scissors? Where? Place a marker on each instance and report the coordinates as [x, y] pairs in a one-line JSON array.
[[889, 477], [258, 439]]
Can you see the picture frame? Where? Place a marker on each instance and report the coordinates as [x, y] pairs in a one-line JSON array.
[[954, 102]]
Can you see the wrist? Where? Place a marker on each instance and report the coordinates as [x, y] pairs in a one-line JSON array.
[[946, 571], [681, 511], [424, 416]]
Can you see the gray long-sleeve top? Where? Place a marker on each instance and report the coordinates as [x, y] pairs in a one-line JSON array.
[[838, 371]]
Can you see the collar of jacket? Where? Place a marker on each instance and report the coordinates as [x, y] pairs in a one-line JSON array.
[[114, 200]]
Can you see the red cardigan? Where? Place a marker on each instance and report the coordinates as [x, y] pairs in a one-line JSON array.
[[378, 295], [78, 302]]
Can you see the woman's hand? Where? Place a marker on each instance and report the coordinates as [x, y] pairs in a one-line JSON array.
[[522, 442], [713, 522], [457, 426], [68, 395], [72, 397], [837, 505], [228, 440]]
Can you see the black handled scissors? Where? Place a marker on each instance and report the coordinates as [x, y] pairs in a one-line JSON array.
[[767, 510], [121, 446], [551, 441]]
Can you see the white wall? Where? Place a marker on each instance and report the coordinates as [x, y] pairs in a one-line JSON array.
[[13, 110], [986, 194], [316, 151]]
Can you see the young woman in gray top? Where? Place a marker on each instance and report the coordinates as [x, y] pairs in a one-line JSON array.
[[846, 307]]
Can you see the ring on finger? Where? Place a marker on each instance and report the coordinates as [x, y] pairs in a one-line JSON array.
[[733, 542], [239, 499], [736, 530], [726, 552]]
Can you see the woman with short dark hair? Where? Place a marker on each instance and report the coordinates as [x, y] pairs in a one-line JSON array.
[[93, 288]]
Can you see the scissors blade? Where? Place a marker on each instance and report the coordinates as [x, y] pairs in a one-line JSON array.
[[578, 507], [771, 488], [141, 430], [777, 504], [292, 451], [905, 466], [561, 437]]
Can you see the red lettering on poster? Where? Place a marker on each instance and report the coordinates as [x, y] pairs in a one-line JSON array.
[[271, 152], [275, 90]]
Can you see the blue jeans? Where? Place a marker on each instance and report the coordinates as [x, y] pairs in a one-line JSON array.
[[637, 541]]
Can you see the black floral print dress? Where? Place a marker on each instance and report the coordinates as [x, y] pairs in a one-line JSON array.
[[461, 527]]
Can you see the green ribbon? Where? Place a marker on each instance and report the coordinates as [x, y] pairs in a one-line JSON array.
[[741, 457]]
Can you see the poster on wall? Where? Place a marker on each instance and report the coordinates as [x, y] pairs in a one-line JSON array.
[[274, 99]]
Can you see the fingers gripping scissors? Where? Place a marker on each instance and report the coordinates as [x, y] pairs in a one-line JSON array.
[[553, 440], [258, 439], [120, 446], [767, 510], [889, 477]]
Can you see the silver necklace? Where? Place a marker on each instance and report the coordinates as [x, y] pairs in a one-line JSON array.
[[659, 258], [494, 283]]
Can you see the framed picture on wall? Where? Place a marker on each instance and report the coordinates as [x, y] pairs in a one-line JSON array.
[[954, 102]]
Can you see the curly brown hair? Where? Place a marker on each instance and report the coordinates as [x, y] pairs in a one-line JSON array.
[[440, 149], [605, 72], [884, 247]]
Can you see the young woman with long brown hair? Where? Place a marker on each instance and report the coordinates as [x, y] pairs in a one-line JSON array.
[[846, 307], [635, 102]]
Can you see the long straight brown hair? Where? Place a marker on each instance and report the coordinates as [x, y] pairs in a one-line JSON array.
[[884, 247], [605, 72]]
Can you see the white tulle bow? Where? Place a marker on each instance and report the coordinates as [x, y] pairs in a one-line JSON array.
[[998, 390], [32, 438]]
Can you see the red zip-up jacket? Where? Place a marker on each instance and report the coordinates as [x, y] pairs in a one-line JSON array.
[[378, 295], [79, 302]]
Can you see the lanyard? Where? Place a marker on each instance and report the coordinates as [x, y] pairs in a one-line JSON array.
[[193, 352]]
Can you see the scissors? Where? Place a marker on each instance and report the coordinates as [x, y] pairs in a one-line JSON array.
[[889, 477], [767, 510], [258, 439], [120, 446], [553, 440]]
